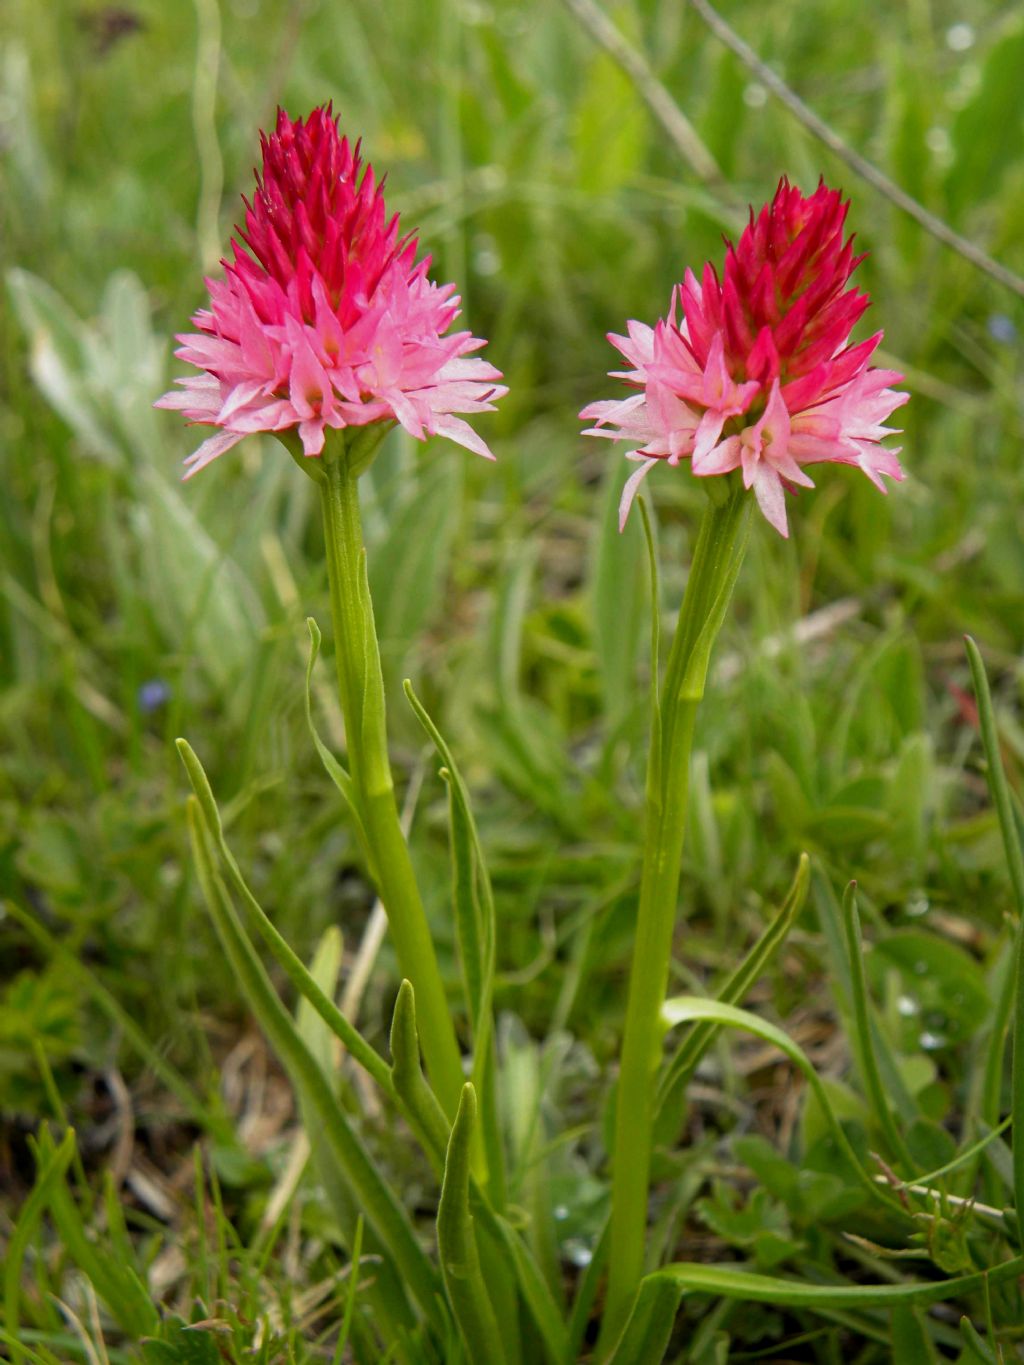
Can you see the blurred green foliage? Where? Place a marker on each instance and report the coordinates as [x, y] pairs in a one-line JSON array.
[[133, 608]]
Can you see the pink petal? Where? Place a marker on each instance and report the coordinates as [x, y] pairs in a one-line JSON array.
[[771, 497], [209, 450], [632, 487], [724, 458], [708, 432], [463, 434]]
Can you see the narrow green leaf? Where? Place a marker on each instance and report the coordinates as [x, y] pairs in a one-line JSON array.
[[586, 1295], [977, 1347], [1000, 792], [475, 923], [649, 1326], [989, 1099], [831, 920], [290, 963], [31, 1357], [909, 1337], [410, 1085], [456, 1243], [383, 1211], [732, 1283], [120, 1244], [351, 1296], [533, 1287], [470, 932], [209, 1116], [698, 1039], [475, 915], [427, 1119], [117, 1284], [51, 1170], [684, 1009], [963, 1158], [324, 969], [996, 776], [862, 1032]]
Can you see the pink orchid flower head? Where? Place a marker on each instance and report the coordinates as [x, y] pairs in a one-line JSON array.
[[325, 318], [755, 370]]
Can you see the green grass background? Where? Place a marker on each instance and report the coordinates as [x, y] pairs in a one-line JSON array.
[[541, 184]]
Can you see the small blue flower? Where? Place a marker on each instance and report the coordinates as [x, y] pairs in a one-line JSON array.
[[152, 695], [1001, 328]]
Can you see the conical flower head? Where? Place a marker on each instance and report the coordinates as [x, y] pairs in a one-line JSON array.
[[325, 318], [313, 214], [754, 369], [786, 280]]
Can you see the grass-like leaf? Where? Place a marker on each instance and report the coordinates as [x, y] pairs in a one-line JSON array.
[[475, 925], [862, 1035], [1000, 791], [52, 1167], [289, 961], [697, 1041], [372, 1193], [457, 1246], [683, 1009]]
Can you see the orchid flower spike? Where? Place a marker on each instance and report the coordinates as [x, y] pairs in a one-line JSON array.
[[759, 373], [325, 317]]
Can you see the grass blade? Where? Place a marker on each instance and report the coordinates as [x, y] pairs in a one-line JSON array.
[[586, 1295], [731, 1283], [209, 1117], [1000, 792], [862, 1035], [699, 1039], [910, 1339], [350, 1297], [51, 1170], [115, 1282], [683, 1009]]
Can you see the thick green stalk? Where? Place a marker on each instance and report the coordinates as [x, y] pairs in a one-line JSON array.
[[361, 689], [716, 562]]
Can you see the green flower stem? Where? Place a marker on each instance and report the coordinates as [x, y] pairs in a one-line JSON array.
[[361, 688], [716, 562]]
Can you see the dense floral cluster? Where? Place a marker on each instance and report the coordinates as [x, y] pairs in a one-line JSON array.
[[325, 318], [755, 370]]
